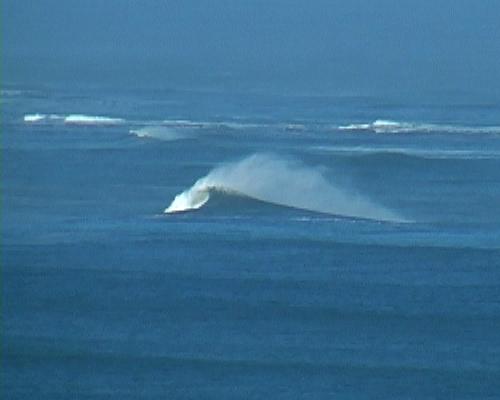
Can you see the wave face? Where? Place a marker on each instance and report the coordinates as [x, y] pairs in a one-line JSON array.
[[283, 182], [390, 126]]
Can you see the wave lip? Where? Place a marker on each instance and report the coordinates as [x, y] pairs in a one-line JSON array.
[[283, 182], [189, 199]]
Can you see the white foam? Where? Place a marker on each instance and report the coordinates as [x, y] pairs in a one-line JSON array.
[[280, 181], [355, 127]]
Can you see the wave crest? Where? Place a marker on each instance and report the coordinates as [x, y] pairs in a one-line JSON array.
[[283, 182]]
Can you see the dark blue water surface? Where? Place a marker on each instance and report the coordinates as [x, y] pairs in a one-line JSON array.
[[259, 293]]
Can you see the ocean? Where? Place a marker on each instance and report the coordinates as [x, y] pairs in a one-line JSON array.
[[202, 243]]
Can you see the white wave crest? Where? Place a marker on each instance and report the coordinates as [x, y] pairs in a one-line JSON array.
[[280, 181], [390, 126], [81, 119]]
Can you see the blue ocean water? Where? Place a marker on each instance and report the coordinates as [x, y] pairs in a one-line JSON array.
[[314, 246]]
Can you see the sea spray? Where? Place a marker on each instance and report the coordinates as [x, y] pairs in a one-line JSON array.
[[281, 181]]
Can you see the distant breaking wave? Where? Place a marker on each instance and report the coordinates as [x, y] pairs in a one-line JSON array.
[[72, 119], [83, 119], [389, 126], [283, 182], [79, 119], [160, 132], [31, 118]]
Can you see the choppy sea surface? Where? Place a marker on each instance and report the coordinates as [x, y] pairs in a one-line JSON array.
[[182, 244]]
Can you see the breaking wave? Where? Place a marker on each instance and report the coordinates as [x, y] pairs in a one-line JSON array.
[[72, 119], [390, 126], [283, 182]]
